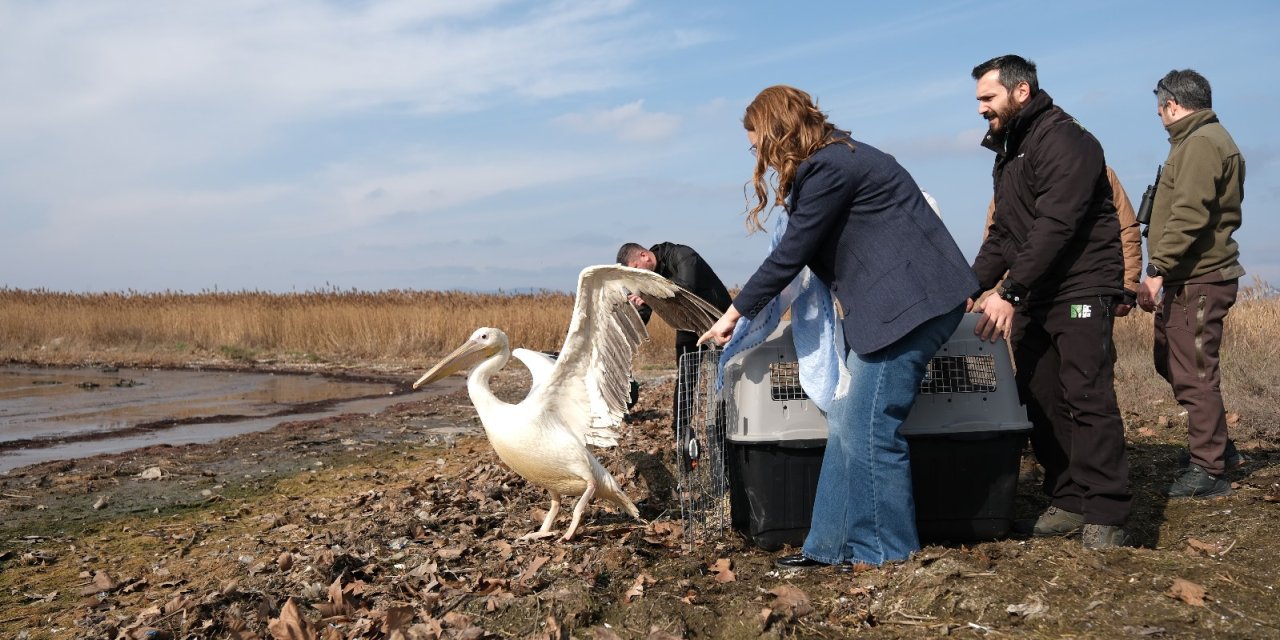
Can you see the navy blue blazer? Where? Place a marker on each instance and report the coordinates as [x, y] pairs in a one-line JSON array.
[[859, 221]]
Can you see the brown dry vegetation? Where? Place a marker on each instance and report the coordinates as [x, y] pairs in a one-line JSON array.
[[1250, 369], [247, 327], [406, 530]]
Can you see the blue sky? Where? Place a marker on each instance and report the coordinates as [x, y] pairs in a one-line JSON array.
[[290, 145]]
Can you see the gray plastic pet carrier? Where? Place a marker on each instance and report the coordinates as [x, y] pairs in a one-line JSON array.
[[966, 433]]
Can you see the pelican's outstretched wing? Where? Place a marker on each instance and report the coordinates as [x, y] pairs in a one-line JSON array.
[[538, 363], [590, 384]]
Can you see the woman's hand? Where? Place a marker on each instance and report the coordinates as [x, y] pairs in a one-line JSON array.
[[722, 330]]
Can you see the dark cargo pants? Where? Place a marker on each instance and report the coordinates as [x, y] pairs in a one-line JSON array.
[[1065, 359]]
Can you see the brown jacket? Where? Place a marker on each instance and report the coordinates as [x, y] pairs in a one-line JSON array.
[[1130, 236]]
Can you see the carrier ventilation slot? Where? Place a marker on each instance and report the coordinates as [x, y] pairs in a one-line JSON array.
[[784, 382], [960, 374]]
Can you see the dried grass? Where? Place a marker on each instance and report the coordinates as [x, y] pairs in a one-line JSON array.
[[328, 326], [1249, 360]]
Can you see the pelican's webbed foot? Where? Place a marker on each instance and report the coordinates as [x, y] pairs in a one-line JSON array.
[[535, 535]]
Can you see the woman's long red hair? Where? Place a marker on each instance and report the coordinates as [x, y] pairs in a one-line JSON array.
[[789, 128]]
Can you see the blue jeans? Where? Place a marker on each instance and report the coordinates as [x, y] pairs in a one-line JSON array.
[[864, 510]]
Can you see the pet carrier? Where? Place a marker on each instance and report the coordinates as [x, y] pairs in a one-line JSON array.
[[966, 433]]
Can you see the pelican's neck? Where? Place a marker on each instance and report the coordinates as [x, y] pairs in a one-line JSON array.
[[478, 383]]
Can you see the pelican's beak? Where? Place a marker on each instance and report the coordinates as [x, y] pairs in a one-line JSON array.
[[466, 356]]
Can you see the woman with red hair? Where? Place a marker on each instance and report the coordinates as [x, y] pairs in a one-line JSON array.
[[860, 223]]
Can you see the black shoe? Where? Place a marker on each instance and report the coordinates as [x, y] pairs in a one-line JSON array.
[[1195, 482], [1023, 526], [1231, 457], [796, 561]]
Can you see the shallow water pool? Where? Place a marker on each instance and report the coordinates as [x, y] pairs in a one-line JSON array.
[[59, 413]]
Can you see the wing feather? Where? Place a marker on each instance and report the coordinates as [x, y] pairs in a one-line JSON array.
[[590, 384]]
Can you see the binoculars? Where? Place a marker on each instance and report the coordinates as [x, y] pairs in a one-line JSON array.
[[1148, 199]]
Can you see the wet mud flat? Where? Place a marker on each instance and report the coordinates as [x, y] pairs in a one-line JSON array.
[[61, 413], [71, 494]]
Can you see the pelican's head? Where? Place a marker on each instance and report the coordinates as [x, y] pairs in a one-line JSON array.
[[485, 343]]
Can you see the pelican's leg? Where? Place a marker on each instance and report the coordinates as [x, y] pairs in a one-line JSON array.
[[551, 513], [545, 531], [578, 509]]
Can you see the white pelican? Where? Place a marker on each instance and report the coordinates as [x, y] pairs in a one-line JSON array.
[[578, 398]]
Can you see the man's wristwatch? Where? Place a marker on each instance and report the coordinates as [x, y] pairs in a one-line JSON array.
[[1154, 272], [1013, 294]]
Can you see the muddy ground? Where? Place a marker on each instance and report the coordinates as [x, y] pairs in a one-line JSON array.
[[404, 525]]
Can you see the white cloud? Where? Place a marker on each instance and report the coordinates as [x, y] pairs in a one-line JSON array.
[[443, 182], [118, 92], [628, 122], [74, 60], [138, 218], [163, 124], [966, 143]]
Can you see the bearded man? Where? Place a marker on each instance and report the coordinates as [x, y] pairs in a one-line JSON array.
[[1054, 231]]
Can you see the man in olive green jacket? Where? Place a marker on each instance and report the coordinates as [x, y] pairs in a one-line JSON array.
[[1192, 257]]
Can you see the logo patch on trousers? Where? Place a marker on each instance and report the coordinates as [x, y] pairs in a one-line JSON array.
[[1081, 311]]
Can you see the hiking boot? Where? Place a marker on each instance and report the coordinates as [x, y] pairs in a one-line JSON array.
[[1232, 458], [1104, 536], [1195, 482], [1057, 522]]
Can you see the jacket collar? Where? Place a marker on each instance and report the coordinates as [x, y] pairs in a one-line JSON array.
[[1178, 131], [1011, 136]]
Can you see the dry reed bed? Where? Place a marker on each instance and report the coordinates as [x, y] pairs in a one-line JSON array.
[[1250, 369], [414, 327], [331, 326]]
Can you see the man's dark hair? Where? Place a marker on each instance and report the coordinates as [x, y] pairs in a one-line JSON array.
[[1014, 70], [1185, 87], [629, 251]]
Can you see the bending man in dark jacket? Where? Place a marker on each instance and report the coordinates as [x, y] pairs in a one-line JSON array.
[[1055, 232], [683, 266]]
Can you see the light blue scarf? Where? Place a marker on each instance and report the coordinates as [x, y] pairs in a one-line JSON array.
[[818, 337], [815, 330]]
